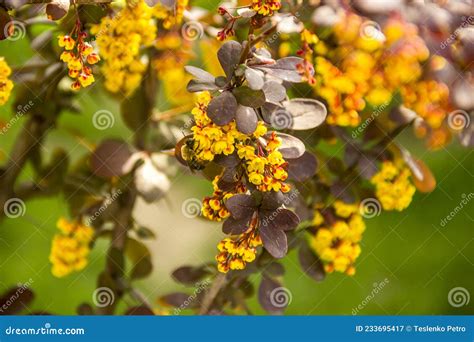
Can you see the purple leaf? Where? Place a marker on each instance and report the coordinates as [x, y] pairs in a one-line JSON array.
[[246, 119], [310, 263], [274, 240], [285, 69], [235, 227], [268, 292], [241, 206], [229, 56], [302, 168], [111, 158], [200, 74], [282, 219], [254, 78], [306, 113], [291, 147], [274, 91], [221, 109]]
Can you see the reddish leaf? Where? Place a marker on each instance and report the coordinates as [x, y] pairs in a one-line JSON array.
[[274, 240], [246, 119], [15, 300], [310, 263], [241, 206], [111, 158], [221, 109]]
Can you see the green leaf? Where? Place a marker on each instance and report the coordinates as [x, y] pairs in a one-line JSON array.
[[248, 97]]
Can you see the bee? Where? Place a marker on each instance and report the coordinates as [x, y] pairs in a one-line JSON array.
[[188, 154]]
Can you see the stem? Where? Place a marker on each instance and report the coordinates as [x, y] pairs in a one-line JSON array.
[[122, 219], [26, 143], [211, 295]]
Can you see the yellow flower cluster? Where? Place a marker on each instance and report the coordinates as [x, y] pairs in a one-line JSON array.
[[336, 240], [265, 7], [120, 39], [211, 139], [234, 254], [170, 16], [169, 65], [265, 165], [430, 100], [213, 208], [78, 55], [393, 187], [6, 85], [359, 70], [70, 248]]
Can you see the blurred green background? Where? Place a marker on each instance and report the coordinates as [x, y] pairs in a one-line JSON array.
[[421, 260]]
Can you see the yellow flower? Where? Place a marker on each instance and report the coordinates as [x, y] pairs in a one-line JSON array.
[[393, 187], [337, 241], [265, 7], [70, 248], [67, 42], [6, 85], [234, 254], [119, 40]]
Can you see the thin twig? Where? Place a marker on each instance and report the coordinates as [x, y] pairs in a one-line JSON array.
[[211, 295]]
